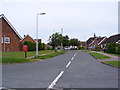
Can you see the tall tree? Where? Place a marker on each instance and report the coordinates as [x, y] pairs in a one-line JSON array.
[[74, 42], [55, 40]]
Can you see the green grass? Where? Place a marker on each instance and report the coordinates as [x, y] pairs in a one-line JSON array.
[[50, 55], [18, 57], [85, 50], [99, 56], [113, 63], [16, 60]]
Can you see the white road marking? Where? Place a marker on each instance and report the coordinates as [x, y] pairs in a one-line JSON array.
[[72, 58], [75, 54], [56, 79], [68, 64]]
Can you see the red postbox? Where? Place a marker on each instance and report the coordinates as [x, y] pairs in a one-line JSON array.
[[25, 48]]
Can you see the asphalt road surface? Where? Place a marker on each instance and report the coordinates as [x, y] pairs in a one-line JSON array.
[[74, 69]]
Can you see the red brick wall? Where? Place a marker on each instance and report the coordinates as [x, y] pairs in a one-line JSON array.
[[14, 44]]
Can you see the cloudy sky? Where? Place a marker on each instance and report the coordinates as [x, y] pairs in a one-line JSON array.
[[78, 18]]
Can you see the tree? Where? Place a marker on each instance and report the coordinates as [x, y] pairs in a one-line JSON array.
[[111, 47], [74, 42], [55, 40], [65, 41]]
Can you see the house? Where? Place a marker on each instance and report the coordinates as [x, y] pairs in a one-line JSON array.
[[27, 38], [83, 43], [39, 40], [9, 37], [114, 38], [95, 41]]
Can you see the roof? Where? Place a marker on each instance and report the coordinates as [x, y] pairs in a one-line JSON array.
[[89, 40], [29, 37], [2, 16], [98, 40], [113, 38]]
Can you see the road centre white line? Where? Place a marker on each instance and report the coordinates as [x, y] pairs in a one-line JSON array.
[[56, 79], [72, 58], [75, 54], [68, 64]]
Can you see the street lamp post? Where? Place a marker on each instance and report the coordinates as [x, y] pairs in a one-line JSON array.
[[61, 41], [37, 32]]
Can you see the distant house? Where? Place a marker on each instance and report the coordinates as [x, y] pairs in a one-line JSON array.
[[113, 38], [27, 38], [39, 40], [95, 41], [83, 43], [10, 38]]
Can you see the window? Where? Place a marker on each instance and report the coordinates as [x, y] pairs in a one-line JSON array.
[[6, 40]]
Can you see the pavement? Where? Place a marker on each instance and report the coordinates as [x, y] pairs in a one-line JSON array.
[[74, 69]]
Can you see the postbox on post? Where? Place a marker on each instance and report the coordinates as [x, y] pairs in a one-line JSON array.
[[25, 49]]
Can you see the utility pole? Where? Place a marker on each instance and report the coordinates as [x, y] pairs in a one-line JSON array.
[[61, 39]]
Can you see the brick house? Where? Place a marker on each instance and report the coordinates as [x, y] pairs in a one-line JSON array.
[[114, 38], [95, 41], [27, 38], [9, 37]]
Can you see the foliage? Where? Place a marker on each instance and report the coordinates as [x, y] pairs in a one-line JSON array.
[[111, 47], [117, 49], [74, 42], [31, 46], [55, 40], [97, 49], [66, 41]]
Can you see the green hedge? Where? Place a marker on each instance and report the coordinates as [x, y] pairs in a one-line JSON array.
[[113, 48], [31, 46]]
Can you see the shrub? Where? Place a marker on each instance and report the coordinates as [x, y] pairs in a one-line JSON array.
[[111, 47], [117, 49], [31, 46]]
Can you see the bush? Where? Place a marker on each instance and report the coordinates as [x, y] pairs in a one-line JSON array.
[[31, 46], [97, 49], [111, 47], [117, 50], [41, 46]]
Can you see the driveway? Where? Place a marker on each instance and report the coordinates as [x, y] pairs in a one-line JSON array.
[[74, 69]]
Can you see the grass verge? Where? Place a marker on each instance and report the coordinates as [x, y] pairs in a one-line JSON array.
[[113, 63], [16, 60], [50, 55], [99, 56], [18, 57]]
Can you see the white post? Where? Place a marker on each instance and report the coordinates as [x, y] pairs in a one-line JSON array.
[[37, 32], [4, 42], [37, 35], [61, 41]]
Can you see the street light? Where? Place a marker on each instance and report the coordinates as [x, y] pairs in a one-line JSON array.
[[37, 32]]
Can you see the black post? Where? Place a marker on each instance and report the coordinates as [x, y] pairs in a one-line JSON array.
[[25, 54]]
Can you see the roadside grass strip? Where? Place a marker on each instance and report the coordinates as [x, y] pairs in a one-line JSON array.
[[50, 55], [18, 57], [16, 60], [99, 56], [113, 63]]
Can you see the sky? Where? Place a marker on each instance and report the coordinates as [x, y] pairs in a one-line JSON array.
[[78, 18]]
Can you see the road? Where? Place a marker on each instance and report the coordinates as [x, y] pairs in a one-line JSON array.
[[74, 69]]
